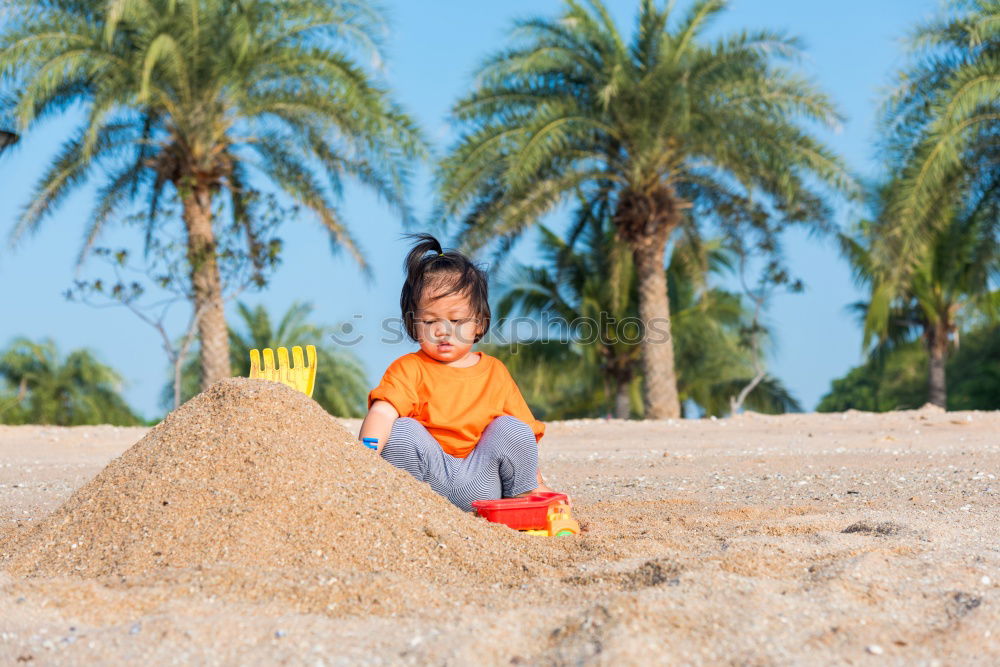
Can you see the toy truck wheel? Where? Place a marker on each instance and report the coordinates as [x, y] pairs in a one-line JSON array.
[[563, 527]]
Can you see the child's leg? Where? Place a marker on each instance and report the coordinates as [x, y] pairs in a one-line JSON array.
[[503, 464], [412, 448]]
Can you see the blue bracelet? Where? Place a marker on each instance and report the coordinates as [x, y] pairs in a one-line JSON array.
[[370, 443]]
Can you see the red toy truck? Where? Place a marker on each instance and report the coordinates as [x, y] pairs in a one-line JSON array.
[[539, 514]]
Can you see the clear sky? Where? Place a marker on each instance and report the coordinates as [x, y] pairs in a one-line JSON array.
[[852, 47]]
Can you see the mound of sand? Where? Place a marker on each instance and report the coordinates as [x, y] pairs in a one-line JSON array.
[[257, 485]]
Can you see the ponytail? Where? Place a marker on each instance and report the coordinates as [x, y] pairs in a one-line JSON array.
[[416, 258]]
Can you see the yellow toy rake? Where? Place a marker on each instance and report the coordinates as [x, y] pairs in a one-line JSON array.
[[299, 375]]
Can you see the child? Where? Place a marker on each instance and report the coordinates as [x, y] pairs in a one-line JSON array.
[[449, 416]]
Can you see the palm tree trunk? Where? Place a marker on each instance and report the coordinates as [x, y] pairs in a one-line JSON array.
[[623, 402], [645, 219], [207, 283], [937, 347], [659, 379]]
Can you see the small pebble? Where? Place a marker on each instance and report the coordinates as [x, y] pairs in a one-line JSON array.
[[135, 629], [278, 634], [875, 649]]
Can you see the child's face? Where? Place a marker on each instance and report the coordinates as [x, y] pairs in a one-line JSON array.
[[446, 325]]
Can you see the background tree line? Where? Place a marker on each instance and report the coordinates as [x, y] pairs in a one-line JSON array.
[[685, 157]]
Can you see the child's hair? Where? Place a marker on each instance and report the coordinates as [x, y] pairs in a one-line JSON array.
[[450, 270]]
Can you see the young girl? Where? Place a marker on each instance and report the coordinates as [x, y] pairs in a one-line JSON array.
[[448, 415]]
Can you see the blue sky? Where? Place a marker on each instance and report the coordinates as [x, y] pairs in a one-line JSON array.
[[852, 47]]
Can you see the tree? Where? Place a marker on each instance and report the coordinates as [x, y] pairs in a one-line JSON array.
[[897, 379], [196, 98], [667, 129], [975, 369], [720, 342], [588, 300], [949, 277], [151, 286], [341, 385], [941, 128], [70, 391], [581, 289]]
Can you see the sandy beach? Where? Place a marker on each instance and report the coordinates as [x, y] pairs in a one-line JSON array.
[[798, 539]]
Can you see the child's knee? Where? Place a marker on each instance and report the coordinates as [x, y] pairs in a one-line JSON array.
[[515, 434], [514, 426]]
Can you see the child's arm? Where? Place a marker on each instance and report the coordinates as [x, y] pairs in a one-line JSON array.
[[378, 423]]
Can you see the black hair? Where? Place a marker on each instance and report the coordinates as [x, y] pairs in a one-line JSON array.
[[451, 270]]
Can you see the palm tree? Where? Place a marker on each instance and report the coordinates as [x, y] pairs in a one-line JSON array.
[[341, 385], [199, 98], [72, 391], [666, 128], [713, 330], [942, 127], [597, 287], [898, 379], [576, 288], [950, 277]]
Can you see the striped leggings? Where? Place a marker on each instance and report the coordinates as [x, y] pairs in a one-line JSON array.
[[503, 464]]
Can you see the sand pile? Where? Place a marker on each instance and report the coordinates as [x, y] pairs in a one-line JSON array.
[[254, 487]]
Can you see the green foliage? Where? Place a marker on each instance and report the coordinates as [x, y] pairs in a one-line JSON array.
[[200, 95], [555, 379], [566, 373], [571, 105], [341, 386], [949, 281], [974, 382], [195, 99], [897, 379], [662, 129], [931, 254], [941, 125], [37, 386]]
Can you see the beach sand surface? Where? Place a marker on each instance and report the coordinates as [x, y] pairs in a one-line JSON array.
[[848, 538]]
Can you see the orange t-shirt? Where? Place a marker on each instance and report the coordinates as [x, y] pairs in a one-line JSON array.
[[454, 404]]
